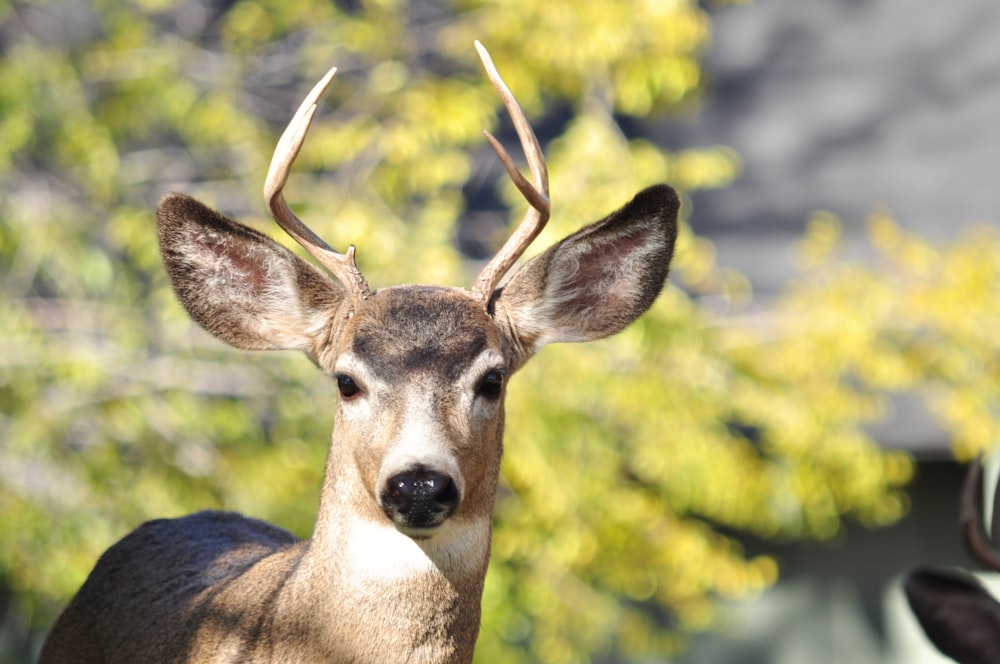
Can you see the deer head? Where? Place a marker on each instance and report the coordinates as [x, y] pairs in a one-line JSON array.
[[957, 613]]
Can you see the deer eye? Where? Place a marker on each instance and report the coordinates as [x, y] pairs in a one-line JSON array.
[[348, 388], [491, 384]]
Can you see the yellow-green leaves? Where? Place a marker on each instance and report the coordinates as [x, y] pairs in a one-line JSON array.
[[636, 56], [923, 318]]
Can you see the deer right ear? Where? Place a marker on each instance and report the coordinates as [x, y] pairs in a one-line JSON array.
[[595, 282], [241, 285]]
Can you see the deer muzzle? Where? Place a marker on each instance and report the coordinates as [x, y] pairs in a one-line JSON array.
[[419, 500]]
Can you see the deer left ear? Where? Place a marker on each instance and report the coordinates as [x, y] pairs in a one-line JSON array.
[[595, 282], [957, 613]]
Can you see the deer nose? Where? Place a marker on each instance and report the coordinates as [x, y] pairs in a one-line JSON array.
[[419, 498]]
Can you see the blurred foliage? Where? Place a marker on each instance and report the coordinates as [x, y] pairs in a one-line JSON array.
[[923, 318], [632, 464]]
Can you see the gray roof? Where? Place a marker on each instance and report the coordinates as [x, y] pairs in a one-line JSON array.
[[846, 105]]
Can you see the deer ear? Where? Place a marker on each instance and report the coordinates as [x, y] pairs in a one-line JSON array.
[[239, 284], [595, 282], [957, 613]]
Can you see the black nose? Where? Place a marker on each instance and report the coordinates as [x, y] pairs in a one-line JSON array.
[[419, 498]]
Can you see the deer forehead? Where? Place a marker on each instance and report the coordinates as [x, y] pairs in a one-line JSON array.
[[428, 331]]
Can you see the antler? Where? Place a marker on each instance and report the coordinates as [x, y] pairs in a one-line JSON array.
[[537, 195], [971, 520], [341, 265]]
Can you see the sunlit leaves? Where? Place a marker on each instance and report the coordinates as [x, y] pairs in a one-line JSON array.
[[578, 50], [923, 319]]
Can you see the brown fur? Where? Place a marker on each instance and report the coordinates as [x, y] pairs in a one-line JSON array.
[[219, 587]]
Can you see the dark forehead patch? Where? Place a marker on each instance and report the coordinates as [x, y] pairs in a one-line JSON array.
[[420, 329]]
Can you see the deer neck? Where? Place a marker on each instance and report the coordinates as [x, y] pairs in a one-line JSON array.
[[385, 595]]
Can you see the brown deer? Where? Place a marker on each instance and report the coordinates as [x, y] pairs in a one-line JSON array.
[[394, 569], [957, 613]]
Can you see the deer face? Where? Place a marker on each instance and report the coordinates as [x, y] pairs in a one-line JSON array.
[[422, 374]]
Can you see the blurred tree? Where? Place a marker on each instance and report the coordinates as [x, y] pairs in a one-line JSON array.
[[626, 461]]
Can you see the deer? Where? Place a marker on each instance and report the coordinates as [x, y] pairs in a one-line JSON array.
[[957, 613], [395, 566]]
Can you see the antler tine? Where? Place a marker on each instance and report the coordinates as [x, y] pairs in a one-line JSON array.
[[970, 518], [342, 266], [537, 195]]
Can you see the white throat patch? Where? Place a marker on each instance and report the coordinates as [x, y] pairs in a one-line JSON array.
[[380, 551]]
